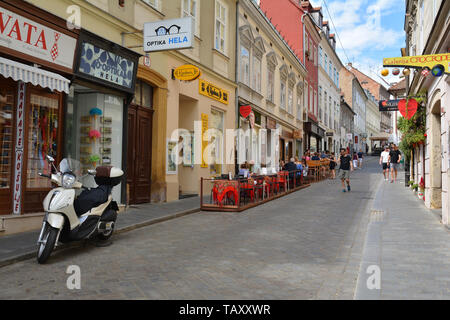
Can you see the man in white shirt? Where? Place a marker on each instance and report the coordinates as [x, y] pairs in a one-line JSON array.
[[384, 161]]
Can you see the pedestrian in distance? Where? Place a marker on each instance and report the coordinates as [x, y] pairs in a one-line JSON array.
[[355, 160], [360, 159], [384, 162], [345, 166], [395, 157], [333, 166]]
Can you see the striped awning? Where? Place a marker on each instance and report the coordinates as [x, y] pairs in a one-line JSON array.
[[38, 77]]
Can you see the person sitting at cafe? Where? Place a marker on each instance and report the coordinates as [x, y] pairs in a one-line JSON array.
[[244, 169], [305, 168], [315, 156], [290, 166]]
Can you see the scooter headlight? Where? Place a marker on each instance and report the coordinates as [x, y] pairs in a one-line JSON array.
[[68, 180]]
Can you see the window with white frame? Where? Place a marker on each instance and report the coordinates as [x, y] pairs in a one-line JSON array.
[[153, 3], [220, 27], [315, 55], [325, 63], [320, 57], [329, 113], [329, 69], [310, 104], [245, 65], [270, 83], [291, 99], [320, 103], [299, 104], [283, 93], [256, 83], [190, 8]]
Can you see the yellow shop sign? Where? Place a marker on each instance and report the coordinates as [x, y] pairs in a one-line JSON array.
[[186, 72], [431, 61], [213, 92]]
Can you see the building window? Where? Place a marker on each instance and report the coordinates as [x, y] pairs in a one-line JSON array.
[[245, 65], [221, 24], [315, 55], [189, 9], [320, 103], [283, 94], [256, 74], [143, 94], [291, 100], [299, 105], [270, 84], [315, 102], [320, 57], [325, 63], [153, 3], [310, 104]]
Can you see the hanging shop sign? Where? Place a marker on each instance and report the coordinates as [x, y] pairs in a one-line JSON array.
[[213, 92], [329, 134], [407, 108], [388, 105], [187, 72], [271, 124], [20, 126], [244, 111], [204, 142], [170, 34], [432, 61], [297, 134]]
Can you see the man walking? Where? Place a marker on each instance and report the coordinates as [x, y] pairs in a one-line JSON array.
[[395, 157], [360, 159], [384, 161], [346, 165]]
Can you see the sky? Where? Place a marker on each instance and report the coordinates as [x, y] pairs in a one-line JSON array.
[[369, 30]]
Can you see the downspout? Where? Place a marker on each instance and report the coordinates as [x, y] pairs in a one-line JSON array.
[[236, 64], [307, 142]]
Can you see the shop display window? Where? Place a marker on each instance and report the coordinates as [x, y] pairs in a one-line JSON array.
[[216, 122], [94, 131], [42, 137], [6, 136]]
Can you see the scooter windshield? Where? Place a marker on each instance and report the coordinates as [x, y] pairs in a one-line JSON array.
[[70, 165]]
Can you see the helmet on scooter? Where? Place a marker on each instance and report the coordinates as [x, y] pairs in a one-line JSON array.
[[108, 175]]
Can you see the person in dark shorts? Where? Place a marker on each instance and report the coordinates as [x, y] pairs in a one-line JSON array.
[[384, 161], [360, 159], [395, 157], [346, 165], [333, 166]]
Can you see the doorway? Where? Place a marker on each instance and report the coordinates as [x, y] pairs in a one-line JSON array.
[[436, 157], [139, 153]]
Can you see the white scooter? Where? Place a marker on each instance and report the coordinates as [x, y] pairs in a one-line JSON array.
[[71, 218]]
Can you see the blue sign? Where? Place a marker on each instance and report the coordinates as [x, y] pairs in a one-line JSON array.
[[106, 65]]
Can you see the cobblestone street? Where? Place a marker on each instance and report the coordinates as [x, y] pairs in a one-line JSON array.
[[306, 245]]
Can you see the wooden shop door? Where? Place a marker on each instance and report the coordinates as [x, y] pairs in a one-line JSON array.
[[139, 153]]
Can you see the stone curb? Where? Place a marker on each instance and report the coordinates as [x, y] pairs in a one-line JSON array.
[[32, 254]]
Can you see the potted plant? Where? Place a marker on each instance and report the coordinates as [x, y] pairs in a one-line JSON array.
[[415, 187]]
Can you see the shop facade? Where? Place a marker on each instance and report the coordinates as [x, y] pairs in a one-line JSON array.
[[36, 64], [315, 136], [102, 95]]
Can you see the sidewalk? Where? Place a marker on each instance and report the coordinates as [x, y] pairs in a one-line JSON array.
[[410, 246], [23, 246]]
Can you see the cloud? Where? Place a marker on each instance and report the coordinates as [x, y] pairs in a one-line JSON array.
[[360, 30]]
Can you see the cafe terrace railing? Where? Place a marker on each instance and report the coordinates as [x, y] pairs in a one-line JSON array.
[[242, 193]]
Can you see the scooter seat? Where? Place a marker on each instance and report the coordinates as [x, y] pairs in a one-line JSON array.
[[92, 198]]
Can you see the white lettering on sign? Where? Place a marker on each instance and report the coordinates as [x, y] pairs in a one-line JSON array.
[[170, 34], [26, 36], [19, 147]]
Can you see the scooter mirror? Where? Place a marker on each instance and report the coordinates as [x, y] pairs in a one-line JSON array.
[[50, 158], [92, 172]]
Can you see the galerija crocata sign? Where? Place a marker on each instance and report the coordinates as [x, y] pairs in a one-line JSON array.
[[430, 61]]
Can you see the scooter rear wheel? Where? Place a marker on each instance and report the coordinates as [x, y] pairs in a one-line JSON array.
[[46, 248]]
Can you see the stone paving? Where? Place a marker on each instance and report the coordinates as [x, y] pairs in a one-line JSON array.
[[410, 246], [306, 245], [312, 244]]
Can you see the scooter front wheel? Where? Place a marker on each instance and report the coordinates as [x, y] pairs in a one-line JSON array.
[[47, 244]]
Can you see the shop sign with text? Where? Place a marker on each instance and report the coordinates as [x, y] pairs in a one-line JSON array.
[[170, 34], [213, 92], [430, 61], [31, 38], [105, 65], [186, 73]]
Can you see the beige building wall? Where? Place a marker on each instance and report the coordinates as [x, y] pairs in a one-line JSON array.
[[176, 104], [262, 41]]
